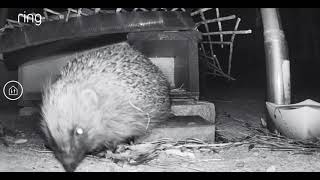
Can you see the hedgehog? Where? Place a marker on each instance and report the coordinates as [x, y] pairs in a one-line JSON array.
[[102, 98]]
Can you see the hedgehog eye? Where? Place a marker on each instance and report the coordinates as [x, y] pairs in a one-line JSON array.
[[79, 131]]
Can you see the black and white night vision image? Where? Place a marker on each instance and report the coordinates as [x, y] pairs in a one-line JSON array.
[[159, 89]]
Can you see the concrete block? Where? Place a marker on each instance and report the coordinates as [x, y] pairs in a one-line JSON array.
[[206, 110], [181, 128], [193, 120]]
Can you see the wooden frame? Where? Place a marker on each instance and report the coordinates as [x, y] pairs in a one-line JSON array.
[[214, 62]]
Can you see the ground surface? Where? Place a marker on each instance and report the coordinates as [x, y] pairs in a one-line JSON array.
[[233, 106]]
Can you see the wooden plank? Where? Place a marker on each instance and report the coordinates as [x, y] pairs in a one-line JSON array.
[[94, 25], [18, 57]]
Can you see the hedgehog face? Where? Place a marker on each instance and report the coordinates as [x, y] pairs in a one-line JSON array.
[[67, 123], [71, 151]]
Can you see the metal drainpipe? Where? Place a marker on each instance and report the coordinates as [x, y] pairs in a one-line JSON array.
[[277, 61]]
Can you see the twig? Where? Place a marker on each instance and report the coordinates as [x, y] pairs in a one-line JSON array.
[[215, 62], [196, 169], [226, 18], [231, 46], [67, 16], [78, 12], [210, 145], [97, 10], [228, 32], [148, 116], [17, 22], [61, 16], [40, 151], [144, 9], [208, 160], [216, 59], [7, 26], [199, 11], [219, 70], [204, 52], [149, 119], [118, 10], [219, 26], [97, 158], [216, 42], [207, 29]]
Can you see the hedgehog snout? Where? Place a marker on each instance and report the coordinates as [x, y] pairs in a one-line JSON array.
[[70, 161], [69, 167]]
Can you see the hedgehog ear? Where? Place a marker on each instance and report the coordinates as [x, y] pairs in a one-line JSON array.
[[89, 97]]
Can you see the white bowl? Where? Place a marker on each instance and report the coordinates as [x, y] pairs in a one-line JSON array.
[[298, 121]]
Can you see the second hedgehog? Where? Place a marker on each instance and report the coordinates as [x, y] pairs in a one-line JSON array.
[[102, 98]]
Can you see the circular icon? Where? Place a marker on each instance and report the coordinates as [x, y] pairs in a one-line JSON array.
[[12, 90]]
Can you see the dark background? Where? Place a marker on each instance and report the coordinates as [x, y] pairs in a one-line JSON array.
[[302, 30]]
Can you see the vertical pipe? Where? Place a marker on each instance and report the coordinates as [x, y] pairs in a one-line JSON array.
[[278, 71]]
